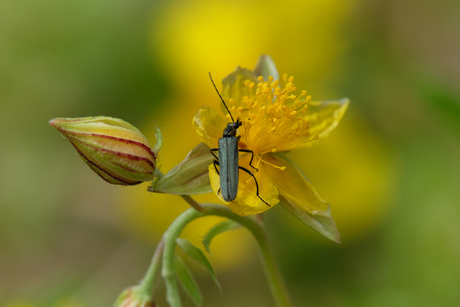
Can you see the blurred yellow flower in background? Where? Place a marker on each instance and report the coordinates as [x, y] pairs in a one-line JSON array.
[[303, 37]]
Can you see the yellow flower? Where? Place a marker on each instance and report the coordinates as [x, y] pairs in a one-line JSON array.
[[274, 121]]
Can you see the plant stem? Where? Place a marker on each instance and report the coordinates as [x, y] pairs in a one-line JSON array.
[[193, 203], [272, 273], [170, 236], [255, 227], [146, 284]]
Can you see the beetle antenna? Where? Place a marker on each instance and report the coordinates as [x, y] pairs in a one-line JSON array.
[[221, 97]]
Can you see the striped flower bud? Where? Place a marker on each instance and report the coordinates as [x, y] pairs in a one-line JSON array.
[[134, 297], [116, 150]]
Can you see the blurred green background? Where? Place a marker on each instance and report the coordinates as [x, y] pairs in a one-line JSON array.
[[391, 170]]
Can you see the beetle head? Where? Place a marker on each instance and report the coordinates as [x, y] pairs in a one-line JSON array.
[[231, 128]]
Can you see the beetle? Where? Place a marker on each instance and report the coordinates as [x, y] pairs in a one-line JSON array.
[[228, 158]]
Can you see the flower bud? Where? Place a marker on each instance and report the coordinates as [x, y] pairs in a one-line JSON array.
[[116, 150], [132, 297]]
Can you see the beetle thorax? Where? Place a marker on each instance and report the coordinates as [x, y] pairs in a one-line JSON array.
[[231, 128]]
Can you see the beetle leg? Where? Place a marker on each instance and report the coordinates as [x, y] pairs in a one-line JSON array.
[[255, 180], [215, 162], [212, 152], [252, 157]]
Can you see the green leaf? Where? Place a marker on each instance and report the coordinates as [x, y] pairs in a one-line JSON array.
[[187, 280], [197, 254], [218, 229]]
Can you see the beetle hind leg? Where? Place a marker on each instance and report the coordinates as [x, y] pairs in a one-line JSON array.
[[252, 157], [255, 180]]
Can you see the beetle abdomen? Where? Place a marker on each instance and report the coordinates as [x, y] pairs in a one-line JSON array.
[[228, 167]]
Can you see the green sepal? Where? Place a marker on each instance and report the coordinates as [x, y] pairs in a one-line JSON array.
[[197, 254], [188, 177], [218, 229], [159, 137], [187, 280]]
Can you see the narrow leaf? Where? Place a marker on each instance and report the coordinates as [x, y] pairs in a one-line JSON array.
[[197, 254], [187, 280], [218, 229]]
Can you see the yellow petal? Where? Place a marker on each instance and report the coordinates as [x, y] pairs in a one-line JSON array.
[[209, 126], [300, 198], [233, 86], [324, 116], [246, 201], [266, 67]]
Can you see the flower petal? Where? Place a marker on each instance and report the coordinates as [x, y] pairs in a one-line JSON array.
[[209, 126], [233, 86], [300, 198], [265, 67], [324, 116], [246, 201]]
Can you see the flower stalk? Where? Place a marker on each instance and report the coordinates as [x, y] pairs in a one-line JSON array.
[[276, 284], [147, 283]]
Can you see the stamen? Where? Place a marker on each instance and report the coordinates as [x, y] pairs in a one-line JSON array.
[[275, 166], [271, 116]]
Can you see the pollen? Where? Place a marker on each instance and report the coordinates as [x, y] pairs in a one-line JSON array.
[[273, 116]]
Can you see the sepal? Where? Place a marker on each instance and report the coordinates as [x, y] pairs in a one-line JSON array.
[[188, 177]]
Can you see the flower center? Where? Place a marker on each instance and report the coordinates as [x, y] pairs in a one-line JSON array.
[[273, 119]]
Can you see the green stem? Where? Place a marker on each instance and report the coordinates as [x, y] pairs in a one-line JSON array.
[[146, 284], [273, 276], [193, 203], [272, 273], [170, 236]]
